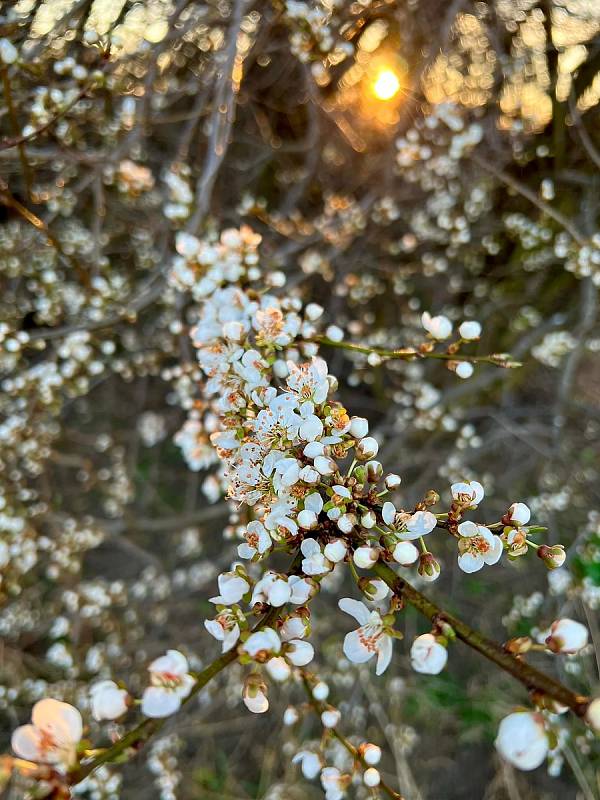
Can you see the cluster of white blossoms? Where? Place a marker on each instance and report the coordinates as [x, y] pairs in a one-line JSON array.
[[303, 474]]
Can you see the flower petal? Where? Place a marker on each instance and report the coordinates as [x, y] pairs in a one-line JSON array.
[[355, 608]]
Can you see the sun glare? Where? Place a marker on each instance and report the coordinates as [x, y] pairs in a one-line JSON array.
[[386, 85]]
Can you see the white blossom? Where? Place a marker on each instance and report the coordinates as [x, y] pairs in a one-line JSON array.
[[310, 763], [477, 546], [53, 735], [437, 327], [522, 740], [225, 629], [427, 655], [567, 636], [519, 513], [232, 588], [468, 493], [405, 553], [171, 683], [469, 330], [107, 700], [369, 639]]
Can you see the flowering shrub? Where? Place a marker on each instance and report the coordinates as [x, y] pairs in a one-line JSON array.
[[119, 279]]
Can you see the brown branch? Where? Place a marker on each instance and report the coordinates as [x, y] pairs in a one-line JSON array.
[[533, 679], [354, 752]]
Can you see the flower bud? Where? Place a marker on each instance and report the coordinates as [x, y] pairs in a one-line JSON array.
[[437, 327], [254, 694], [313, 311], [372, 777], [320, 691], [592, 715], [371, 753], [519, 513], [8, 52], [336, 551], [522, 739], [325, 465], [307, 519], [427, 655], [366, 448], [359, 427], [469, 330], [330, 717], [405, 553], [368, 519], [360, 473], [346, 522], [334, 333], [553, 556], [278, 669], [567, 636], [314, 449], [429, 567], [299, 653], [374, 471], [392, 481], [519, 645], [107, 700], [464, 370], [364, 557], [290, 716]]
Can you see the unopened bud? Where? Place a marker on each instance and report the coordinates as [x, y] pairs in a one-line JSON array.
[[254, 694], [368, 519], [592, 715], [431, 498], [553, 556], [392, 481], [374, 471], [366, 448], [371, 753], [372, 777], [330, 717], [519, 645], [429, 567]]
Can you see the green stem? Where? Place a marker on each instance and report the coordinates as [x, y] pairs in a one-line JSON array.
[[532, 678]]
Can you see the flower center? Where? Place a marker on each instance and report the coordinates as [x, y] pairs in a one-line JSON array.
[[369, 636]]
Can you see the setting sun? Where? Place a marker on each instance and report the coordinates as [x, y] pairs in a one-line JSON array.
[[386, 85]]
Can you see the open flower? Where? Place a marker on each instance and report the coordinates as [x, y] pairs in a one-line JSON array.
[[369, 639], [519, 514], [467, 493], [419, 524], [171, 683], [477, 546], [53, 735], [522, 739], [427, 655], [262, 644], [224, 627], [258, 540], [107, 700], [314, 561]]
